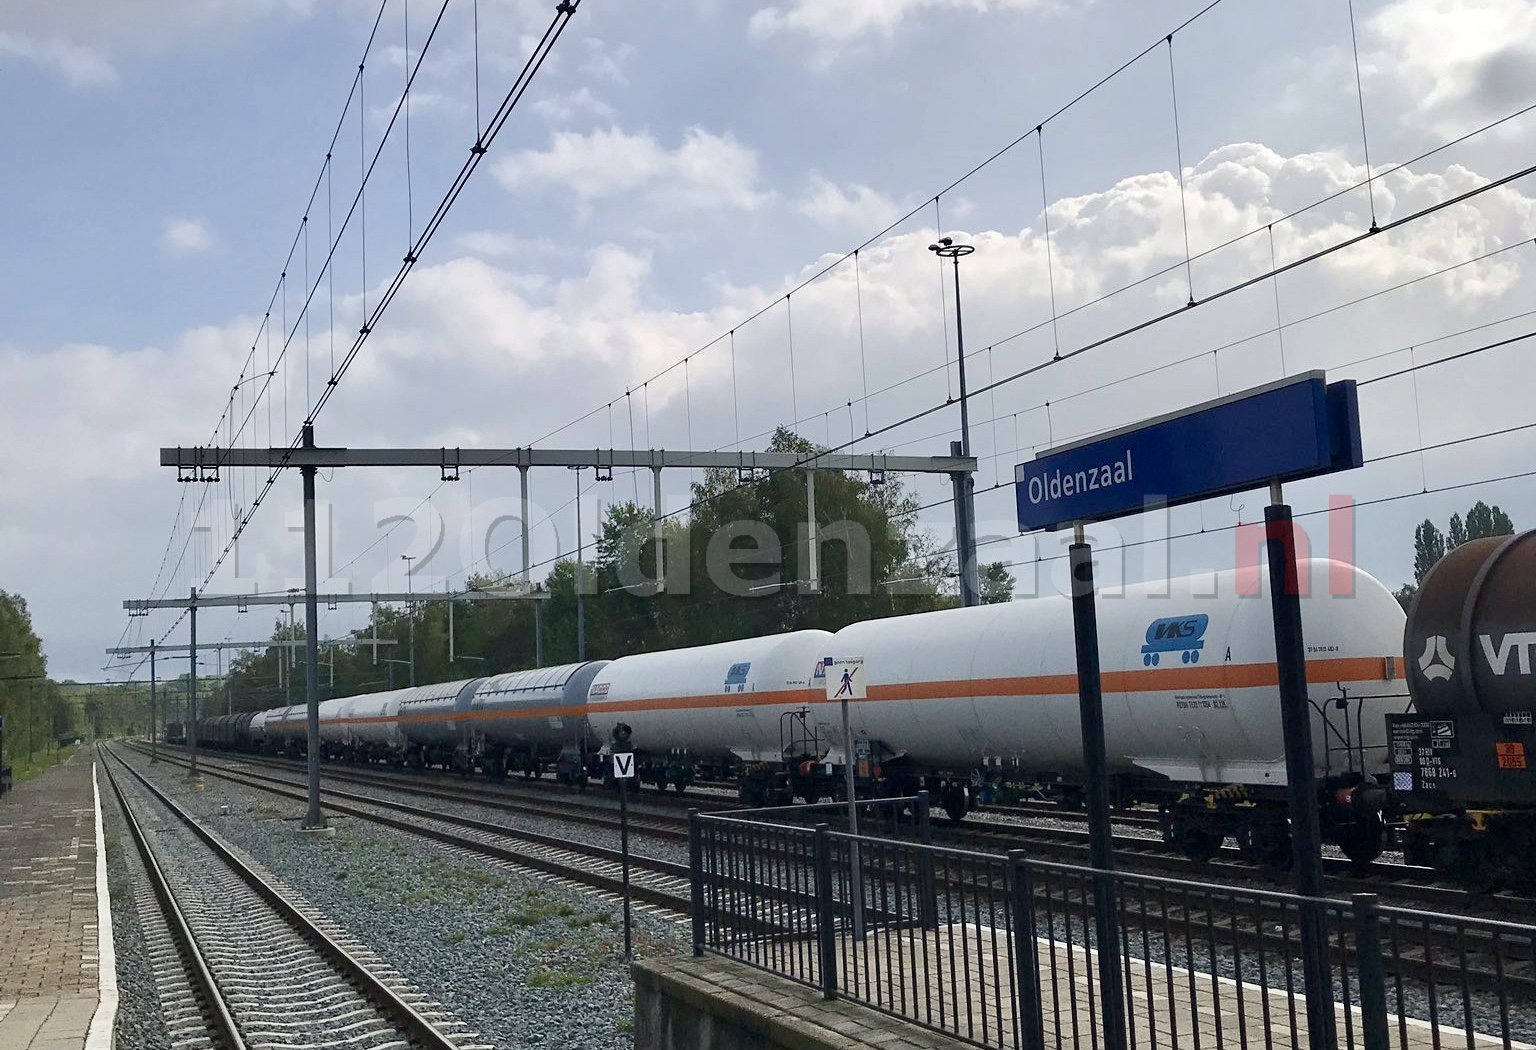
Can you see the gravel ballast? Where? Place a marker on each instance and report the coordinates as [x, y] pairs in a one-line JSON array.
[[140, 1020], [526, 961]]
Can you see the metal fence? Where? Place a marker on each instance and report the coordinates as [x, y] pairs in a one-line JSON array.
[[1001, 951]]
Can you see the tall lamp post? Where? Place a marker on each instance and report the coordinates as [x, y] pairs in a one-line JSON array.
[[964, 484], [581, 579], [411, 613]]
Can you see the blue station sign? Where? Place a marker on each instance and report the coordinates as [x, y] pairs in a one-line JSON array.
[[1299, 427]]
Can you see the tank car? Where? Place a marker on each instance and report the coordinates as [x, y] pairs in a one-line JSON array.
[[256, 735], [1189, 692], [733, 708], [363, 728], [527, 720], [1464, 761], [285, 729]]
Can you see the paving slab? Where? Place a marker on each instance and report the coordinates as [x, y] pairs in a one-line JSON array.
[[57, 967]]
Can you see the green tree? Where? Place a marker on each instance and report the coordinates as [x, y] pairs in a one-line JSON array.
[[1484, 521], [1456, 535], [737, 565], [1428, 547], [996, 583]]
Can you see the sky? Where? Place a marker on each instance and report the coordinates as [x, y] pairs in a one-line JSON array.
[[657, 250]]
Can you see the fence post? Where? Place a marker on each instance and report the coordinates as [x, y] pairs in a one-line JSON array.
[[927, 887], [1026, 956], [1373, 972], [696, 878], [826, 923]]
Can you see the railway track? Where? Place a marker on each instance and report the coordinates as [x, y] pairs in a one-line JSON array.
[[1441, 954], [260, 969], [661, 884], [659, 816]]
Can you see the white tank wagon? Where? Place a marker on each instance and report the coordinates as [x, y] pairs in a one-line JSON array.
[[1191, 712], [257, 734], [717, 707], [285, 727], [526, 719], [432, 720], [363, 728]]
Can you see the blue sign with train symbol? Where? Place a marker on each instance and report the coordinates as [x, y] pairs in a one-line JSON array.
[[1184, 635], [736, 678]]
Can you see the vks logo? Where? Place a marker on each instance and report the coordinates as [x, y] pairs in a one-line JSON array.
[[1436, 663], [1175, 634]]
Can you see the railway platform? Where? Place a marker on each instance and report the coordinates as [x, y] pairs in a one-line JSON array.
[[715, 1003], [58, 981]]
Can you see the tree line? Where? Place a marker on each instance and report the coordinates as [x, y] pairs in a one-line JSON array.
[[42, 716], [1430, 544], [736, 566]]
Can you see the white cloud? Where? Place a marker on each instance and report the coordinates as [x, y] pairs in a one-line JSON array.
[[704, 171], [80, 66], [605, 63], [571, 106], [186, 237], [833, 21], [1463, 61], [496, 351], [855, 207], [497, 244], [78, 40]]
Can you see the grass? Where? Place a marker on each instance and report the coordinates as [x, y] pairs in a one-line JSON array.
[[557, 978], [421, 896], [536, 908], [30, 766]]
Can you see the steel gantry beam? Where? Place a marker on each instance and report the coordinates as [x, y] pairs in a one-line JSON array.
[[297, 597], [203, 463], [270, 643], [204, 459]]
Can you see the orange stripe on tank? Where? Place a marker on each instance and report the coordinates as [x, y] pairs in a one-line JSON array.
[[1158, 679]]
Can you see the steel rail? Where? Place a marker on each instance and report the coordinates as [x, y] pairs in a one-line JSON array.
[[1395, 883], [215, 1009], [401, 1013]]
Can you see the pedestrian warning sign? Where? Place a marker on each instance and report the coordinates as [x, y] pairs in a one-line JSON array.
[[845, 677]]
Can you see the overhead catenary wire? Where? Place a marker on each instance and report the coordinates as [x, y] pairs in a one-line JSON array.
[[1178, 152], [1297, 321], [497, 122], [992, 385], [1129, 285], [913, 212]]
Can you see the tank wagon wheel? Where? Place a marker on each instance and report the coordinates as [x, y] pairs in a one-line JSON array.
[[1267, 845], [955, 801], [1195, 842], [1362, 842]]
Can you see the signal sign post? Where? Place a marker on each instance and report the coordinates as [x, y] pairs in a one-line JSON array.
[[624, 772], [1299, 427], [845, 682]]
